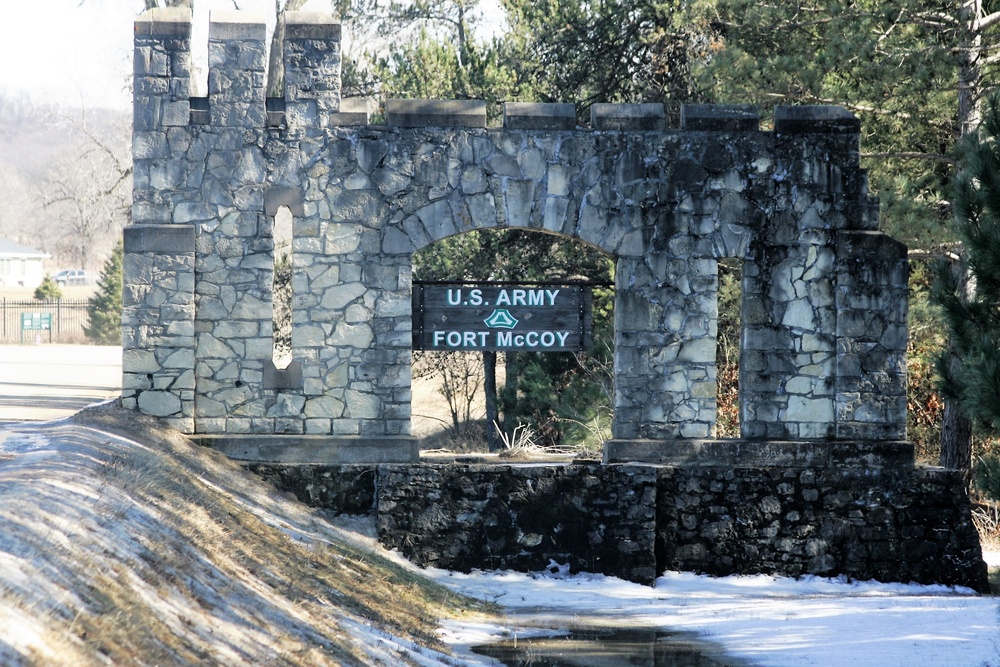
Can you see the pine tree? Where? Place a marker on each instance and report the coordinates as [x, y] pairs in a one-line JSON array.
[[105, 306], [968, 290]]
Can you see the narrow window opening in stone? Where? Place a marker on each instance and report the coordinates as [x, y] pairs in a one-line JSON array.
[[199, 50], [727, 351], [281, 300]]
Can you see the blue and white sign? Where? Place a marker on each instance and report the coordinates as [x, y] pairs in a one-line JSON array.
[[525, 317]]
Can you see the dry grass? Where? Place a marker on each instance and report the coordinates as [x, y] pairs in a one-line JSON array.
[[164, 553], [986, 517]]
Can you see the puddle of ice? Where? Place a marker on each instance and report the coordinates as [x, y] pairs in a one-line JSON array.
[[611, 647]]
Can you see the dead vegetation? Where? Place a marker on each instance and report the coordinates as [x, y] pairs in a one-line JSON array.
[[164, 553]]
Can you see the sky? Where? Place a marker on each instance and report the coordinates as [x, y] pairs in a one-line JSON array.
[[61, 51], [78, 52]]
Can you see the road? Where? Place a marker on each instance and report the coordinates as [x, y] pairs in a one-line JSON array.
[[45, 382]]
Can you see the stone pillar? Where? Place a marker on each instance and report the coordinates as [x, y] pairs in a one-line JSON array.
[[665, 327], [235, 244], [788, 371], [872, 272], [158, 292], [158, 323], [311, 68], [236, 69], [161, 109]]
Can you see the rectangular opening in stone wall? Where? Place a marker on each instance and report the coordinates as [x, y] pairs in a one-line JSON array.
[[281, 299], [727, 351], [524, 395]]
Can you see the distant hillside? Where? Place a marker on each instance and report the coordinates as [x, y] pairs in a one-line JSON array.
[[53, 173], [31, 134]]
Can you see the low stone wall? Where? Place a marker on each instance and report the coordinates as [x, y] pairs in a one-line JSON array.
[[522, 517], [637, 521], [912, 525], [345, 489]]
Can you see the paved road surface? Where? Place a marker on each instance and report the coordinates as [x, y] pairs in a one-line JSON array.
[[43, 382]]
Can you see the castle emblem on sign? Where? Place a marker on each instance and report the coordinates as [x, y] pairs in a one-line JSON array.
[[501, 319]]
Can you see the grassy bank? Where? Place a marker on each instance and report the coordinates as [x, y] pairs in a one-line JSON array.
[[121, 543]]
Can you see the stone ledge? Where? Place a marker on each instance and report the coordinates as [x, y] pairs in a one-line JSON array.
[[353, 111], [539, 116], [166, 239], [641, 117], [720, 117], [283, 378], [311, 25], [313, 449], [897, 455], [815, 119], [435, 113], [236, 25], [280, 195], [199, 110], [164, 22]]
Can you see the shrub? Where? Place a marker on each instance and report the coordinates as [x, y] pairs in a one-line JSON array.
[[48, 290]]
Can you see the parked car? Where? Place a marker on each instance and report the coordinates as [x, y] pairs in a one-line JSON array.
[[71, 277]]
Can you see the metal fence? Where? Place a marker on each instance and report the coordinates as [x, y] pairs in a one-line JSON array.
[[23, 321]]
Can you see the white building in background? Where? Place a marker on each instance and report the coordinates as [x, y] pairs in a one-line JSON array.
[[20, 266]]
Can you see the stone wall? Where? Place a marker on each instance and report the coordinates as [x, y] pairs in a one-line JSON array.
[[636, 521], [887, 525], [823, 354]]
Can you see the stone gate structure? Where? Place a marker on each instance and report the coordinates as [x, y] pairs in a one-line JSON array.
[[824, 331], [821, 481]]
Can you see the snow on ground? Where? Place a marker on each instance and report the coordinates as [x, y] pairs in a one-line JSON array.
[[772, 621]]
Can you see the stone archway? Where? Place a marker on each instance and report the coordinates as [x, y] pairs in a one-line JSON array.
[[825, 293]]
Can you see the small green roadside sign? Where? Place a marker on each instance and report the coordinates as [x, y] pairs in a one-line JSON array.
[[36, 322]]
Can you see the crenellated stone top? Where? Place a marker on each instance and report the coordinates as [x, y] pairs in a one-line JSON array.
[[303, 78]]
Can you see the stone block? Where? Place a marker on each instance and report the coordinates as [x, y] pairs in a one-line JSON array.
[[353, 111], [815, 119], [230, 25], [169, 22], [311, 26], [283, 378], [277, 196], [435, 113], [159, 403], [627, 117], [539, 116], [719, 117], [200, 112]]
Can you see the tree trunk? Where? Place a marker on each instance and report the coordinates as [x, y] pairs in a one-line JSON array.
[[969, 72], [956, 428], [956, 439], [492, 412], [512, 370]]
